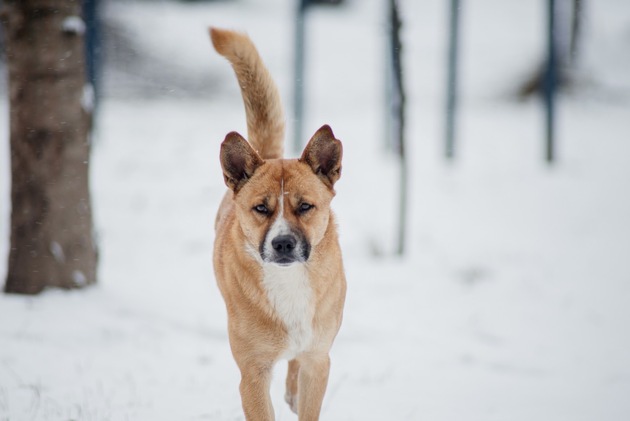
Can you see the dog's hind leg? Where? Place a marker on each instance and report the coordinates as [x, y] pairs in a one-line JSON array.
[[291, 395]]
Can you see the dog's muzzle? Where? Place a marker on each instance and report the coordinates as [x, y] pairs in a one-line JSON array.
[[285, 249]]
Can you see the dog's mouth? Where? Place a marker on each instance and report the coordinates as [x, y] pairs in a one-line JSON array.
[[285, 261]]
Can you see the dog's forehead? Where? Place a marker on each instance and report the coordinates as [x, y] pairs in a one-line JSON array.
[[288, 177]]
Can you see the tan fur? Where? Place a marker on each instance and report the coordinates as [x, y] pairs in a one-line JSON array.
[[265, 119], [276, 310]]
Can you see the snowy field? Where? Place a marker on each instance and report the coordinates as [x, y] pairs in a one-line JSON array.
[[512, 303]]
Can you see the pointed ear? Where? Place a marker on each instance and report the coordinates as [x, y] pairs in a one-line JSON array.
[[323, 154], [238, 161]]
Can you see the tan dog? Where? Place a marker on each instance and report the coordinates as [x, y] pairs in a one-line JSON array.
[[276, 256]]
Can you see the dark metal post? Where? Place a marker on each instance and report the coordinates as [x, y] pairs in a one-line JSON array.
[[550, 84], [298, 88], [93, 43], [451, 87], [398, 113], [577, 16]]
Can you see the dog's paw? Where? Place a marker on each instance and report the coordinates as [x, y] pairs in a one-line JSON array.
[[292, 401]]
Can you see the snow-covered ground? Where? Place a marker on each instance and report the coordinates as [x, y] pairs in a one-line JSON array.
[[512, 303]]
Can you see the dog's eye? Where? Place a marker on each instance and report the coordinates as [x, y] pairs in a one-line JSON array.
[[305, 207], [262, 209]]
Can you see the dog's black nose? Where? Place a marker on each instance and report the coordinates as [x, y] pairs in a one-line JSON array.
[[284, 244]]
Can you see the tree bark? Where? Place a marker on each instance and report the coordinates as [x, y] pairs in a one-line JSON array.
[[52, 242]]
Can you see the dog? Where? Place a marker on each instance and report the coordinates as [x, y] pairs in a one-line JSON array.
[[277, 258]]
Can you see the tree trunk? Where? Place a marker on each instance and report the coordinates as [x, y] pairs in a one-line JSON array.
[[52, 242]]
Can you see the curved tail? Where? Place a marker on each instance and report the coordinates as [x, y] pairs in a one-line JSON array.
[[265, 118]]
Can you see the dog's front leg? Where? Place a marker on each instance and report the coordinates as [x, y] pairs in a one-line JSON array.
[[255, 381], [312, 382]]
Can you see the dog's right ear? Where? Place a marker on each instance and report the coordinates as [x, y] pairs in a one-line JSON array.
[[238, 161]]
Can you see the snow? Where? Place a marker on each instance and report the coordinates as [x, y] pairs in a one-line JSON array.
[[87, 98], [79, 278], [57, 251], [511, 304], [73, 25]]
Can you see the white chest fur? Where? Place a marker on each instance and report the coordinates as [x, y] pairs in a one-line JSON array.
[[290, 294]]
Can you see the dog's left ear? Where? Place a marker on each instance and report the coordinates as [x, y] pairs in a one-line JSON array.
[[238, 161], [323, 154]]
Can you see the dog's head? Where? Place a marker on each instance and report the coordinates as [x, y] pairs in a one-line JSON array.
[[283, 205]]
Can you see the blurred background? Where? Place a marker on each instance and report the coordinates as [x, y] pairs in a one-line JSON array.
[[487, 280]]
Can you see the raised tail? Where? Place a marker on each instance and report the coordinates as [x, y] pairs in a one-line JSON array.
[[265, 118]]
